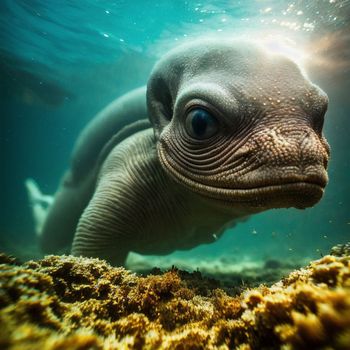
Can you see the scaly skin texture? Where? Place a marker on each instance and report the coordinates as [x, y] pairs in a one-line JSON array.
[[271, 119], [155, 190]]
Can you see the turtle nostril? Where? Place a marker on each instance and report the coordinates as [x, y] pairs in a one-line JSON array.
[[318, 114], [325, 162], [317, 123]]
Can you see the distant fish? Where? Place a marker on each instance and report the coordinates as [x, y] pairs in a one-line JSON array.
[[19, 83]]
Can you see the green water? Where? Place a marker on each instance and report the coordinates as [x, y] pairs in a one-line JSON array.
[[61, 62]]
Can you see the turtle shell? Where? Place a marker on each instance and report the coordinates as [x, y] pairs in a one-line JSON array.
[[120, 119]]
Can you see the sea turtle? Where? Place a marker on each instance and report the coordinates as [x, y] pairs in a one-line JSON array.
[[224, 129]]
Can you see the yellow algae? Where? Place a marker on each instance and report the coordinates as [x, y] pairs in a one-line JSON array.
[[64, 302]]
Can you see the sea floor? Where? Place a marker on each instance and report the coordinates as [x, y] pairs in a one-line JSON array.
[[66, 302], [232, 273]]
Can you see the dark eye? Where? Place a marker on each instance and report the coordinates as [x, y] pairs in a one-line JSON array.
[[201, 124]]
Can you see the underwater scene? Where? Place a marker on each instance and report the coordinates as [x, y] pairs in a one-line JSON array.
[[175, 174]]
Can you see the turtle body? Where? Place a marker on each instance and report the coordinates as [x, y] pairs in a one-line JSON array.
[[224, 129]]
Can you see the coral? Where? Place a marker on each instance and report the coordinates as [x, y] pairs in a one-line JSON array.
[[64, 302], [341, 249]]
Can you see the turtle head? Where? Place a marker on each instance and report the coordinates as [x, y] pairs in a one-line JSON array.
[[239, 125]]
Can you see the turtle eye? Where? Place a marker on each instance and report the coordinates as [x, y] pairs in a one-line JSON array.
[[200, 124]]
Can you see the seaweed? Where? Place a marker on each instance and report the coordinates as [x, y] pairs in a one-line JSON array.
[[66, 302]]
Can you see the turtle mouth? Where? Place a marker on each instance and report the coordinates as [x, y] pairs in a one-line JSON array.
[[299, 191], [300, 195]]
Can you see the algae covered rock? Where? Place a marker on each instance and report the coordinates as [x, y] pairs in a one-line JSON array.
[[341, 249], [64, 302]]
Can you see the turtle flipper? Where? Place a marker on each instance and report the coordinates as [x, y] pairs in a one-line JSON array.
[[113, 221], [61, 219], [103, 229], [39, 202]]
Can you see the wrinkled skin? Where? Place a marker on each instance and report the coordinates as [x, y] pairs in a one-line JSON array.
[[271, 116], [155, 190]]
